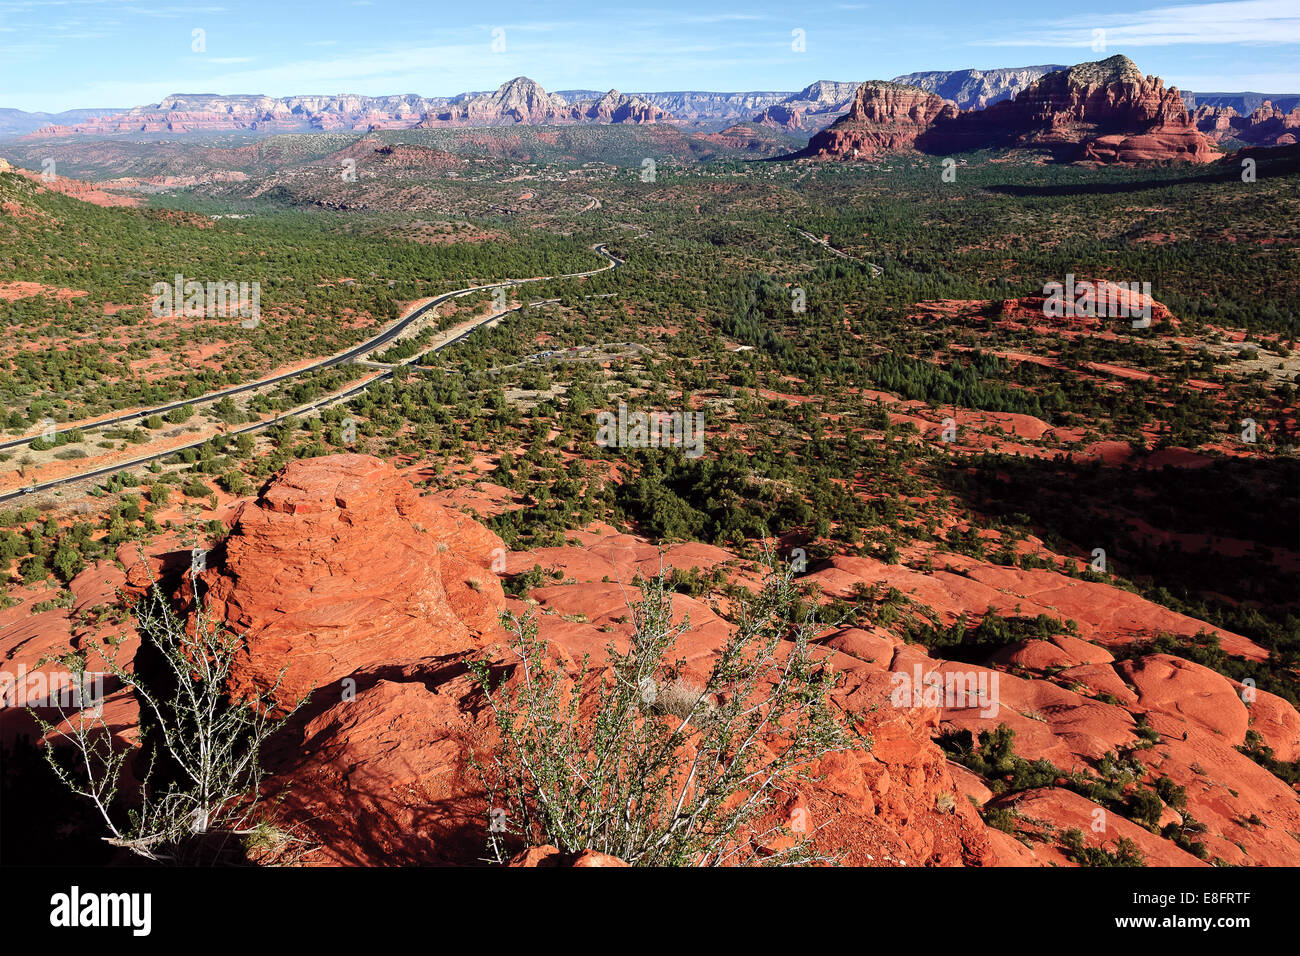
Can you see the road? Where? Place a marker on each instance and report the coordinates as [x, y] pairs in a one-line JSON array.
[[379, 340], [876, 271]]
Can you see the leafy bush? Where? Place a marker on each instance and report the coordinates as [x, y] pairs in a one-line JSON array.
[[194, 488]]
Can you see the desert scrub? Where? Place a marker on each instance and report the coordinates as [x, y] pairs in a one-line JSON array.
[[643, 765], [200, 757], [1126, 852]]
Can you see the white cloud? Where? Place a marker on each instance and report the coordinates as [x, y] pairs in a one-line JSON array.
[[1230, 22]]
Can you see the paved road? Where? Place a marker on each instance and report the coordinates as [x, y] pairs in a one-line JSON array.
[[370, 345], [876, 271], [382, 339]]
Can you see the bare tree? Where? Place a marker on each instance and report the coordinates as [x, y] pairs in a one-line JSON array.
[[205, 747]]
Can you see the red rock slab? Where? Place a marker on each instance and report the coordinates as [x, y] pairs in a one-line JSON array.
[[1083, 652], [896, 801], [579, 639], [605, 606], [1048, 811], [1008, 851], [1021, 426], [1249, 816], [552, 856], [1060, 650], [1184, 689], [1176, 145], [97, 585], [1034, 655], [876, 646], [1050, 722], [1100, 679], [382, 778], [970, 785], [1106, 615], [1274, 719], [618, 557]]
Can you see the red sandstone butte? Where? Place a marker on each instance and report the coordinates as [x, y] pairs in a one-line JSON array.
[[884, 117], [1106, 112]]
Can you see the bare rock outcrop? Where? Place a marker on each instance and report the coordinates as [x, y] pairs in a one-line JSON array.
[[340, 564], [884, 117]]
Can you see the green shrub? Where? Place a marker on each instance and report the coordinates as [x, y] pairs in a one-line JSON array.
[[194, 488], [620, 779], [1126, 853], [180, 414]]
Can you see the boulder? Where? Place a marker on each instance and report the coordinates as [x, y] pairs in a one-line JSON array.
[[339, 564]]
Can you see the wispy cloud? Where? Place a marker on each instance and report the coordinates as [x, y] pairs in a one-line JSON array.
[[1230, 22]]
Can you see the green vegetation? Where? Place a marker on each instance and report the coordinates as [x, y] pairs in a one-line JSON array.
[[622, 780]]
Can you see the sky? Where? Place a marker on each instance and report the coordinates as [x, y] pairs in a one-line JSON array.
[[66, 54]]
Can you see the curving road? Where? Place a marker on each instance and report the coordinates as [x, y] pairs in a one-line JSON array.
[[370, 345], [876, 271]]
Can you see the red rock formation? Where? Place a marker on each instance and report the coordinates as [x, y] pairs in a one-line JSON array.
[[751, 138], [884, 116], [1266, 126], [615, 107], [383, 778], [781, 117], [1216, 122], [1105, 112], [523, 101], [1189, 691], [339, 565], [520, 100], [1099, 112], [341, 569], [552, 856]]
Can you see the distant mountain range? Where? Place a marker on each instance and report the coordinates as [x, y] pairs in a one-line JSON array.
[[524, 101], [976, 89], [1242, 103], [18, 122]]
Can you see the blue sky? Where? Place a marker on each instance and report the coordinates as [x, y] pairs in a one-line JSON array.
[[61, 54]]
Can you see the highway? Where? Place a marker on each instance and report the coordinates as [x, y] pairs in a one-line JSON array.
[[378, 341]]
